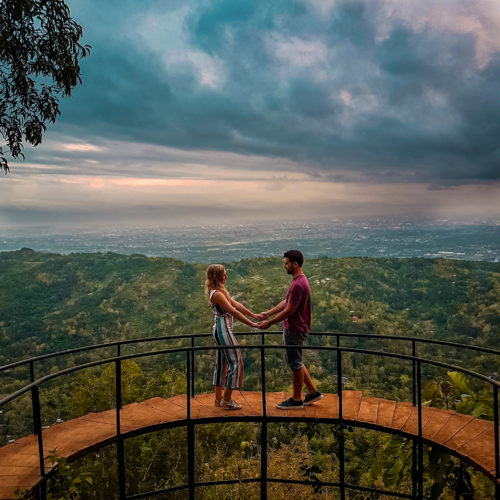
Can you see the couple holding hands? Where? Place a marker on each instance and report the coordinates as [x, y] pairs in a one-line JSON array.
[[294, 311]]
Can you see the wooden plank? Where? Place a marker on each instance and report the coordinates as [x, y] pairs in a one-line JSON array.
[[272, 399], [471, 431], [254, 401], [351, 401], [328, 406], [481, 450], [165, 409], [401, 415], [386, 411], [454, 424], [368, 410], [436, 422]]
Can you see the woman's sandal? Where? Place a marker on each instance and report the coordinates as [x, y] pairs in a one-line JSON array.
[[229, 405]]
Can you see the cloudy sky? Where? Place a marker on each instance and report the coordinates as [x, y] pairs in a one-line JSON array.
[[244, 110]]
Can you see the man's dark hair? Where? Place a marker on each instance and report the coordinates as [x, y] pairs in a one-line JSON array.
[[294, 256]]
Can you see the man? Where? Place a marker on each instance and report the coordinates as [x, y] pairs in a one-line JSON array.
[[295, 312]]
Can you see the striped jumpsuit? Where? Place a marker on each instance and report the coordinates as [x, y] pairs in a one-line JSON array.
[[228, 371]]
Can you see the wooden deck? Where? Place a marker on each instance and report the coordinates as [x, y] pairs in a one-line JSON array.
[[470, 438]]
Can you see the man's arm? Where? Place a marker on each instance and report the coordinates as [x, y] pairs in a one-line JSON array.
[[287, 310], [276, 309]]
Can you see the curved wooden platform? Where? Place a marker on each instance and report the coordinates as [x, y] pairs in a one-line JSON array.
[[470, 438]]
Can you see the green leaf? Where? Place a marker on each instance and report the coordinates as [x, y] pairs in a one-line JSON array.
[[460, 382], [391, 476]]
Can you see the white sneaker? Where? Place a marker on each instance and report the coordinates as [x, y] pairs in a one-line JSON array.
[[229, 405], [218, 403]]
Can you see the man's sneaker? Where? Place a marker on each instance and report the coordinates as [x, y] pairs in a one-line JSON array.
[[290, 404], [311, 398], [218, 403], [229, 405]]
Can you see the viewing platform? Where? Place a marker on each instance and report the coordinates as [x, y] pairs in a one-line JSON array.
[[24, 462]]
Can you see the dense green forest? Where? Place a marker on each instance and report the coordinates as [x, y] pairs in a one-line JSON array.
[[52, 302]]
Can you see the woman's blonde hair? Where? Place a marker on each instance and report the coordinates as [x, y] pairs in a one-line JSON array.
[[215, 273]]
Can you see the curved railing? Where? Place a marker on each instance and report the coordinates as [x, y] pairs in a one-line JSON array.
[[191, 349]]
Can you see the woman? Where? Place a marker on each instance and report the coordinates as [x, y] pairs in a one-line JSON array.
[[228, 372]]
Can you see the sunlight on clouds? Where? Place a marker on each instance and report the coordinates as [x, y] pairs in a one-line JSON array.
[[166, 35], [170, 183], [269, 199], [80, 147], [480, 18], [323, 7], [296, 51]]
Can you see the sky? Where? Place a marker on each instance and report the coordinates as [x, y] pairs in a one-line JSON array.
[[230, 111]]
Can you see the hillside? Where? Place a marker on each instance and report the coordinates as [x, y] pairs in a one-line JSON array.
[[51, 302]]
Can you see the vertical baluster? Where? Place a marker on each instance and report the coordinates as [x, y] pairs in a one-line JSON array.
[[192, 366], [414, 469], [497, 445], [341, 423], [420, 443], [120, 452], [190, 428], [263, 444]]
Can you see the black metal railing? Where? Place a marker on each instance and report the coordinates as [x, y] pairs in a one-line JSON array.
[[190, 423]]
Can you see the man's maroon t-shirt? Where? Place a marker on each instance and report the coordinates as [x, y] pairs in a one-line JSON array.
[[299, 295]]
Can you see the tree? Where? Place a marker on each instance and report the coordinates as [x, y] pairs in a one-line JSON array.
[[39, 55]]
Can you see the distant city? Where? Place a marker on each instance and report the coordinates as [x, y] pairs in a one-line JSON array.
[[226, 243]]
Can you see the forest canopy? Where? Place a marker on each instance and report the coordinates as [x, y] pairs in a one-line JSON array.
[[50, 302]]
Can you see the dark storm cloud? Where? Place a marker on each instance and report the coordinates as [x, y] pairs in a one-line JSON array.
[[321, 86]]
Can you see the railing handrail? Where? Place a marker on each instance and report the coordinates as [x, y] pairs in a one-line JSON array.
[[42, 357], [186, 349]]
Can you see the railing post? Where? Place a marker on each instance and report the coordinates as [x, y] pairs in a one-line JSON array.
[[37, 423], [32, 372], [118, 390], [342, 461], [414, 460], [497, 445], [190, 428], [120, 452], [414, 467], [420, 443], [32, 379], [41, 492], [192, 366], [414, 378], [341, 424], [339, 381], [263, 440]]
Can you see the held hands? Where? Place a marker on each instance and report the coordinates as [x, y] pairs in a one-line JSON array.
[[262, 324]]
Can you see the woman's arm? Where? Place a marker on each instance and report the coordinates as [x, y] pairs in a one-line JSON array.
[[242, 308], [220, 299]]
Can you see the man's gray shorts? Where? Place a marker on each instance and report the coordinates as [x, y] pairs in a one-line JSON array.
[[293, 356]]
